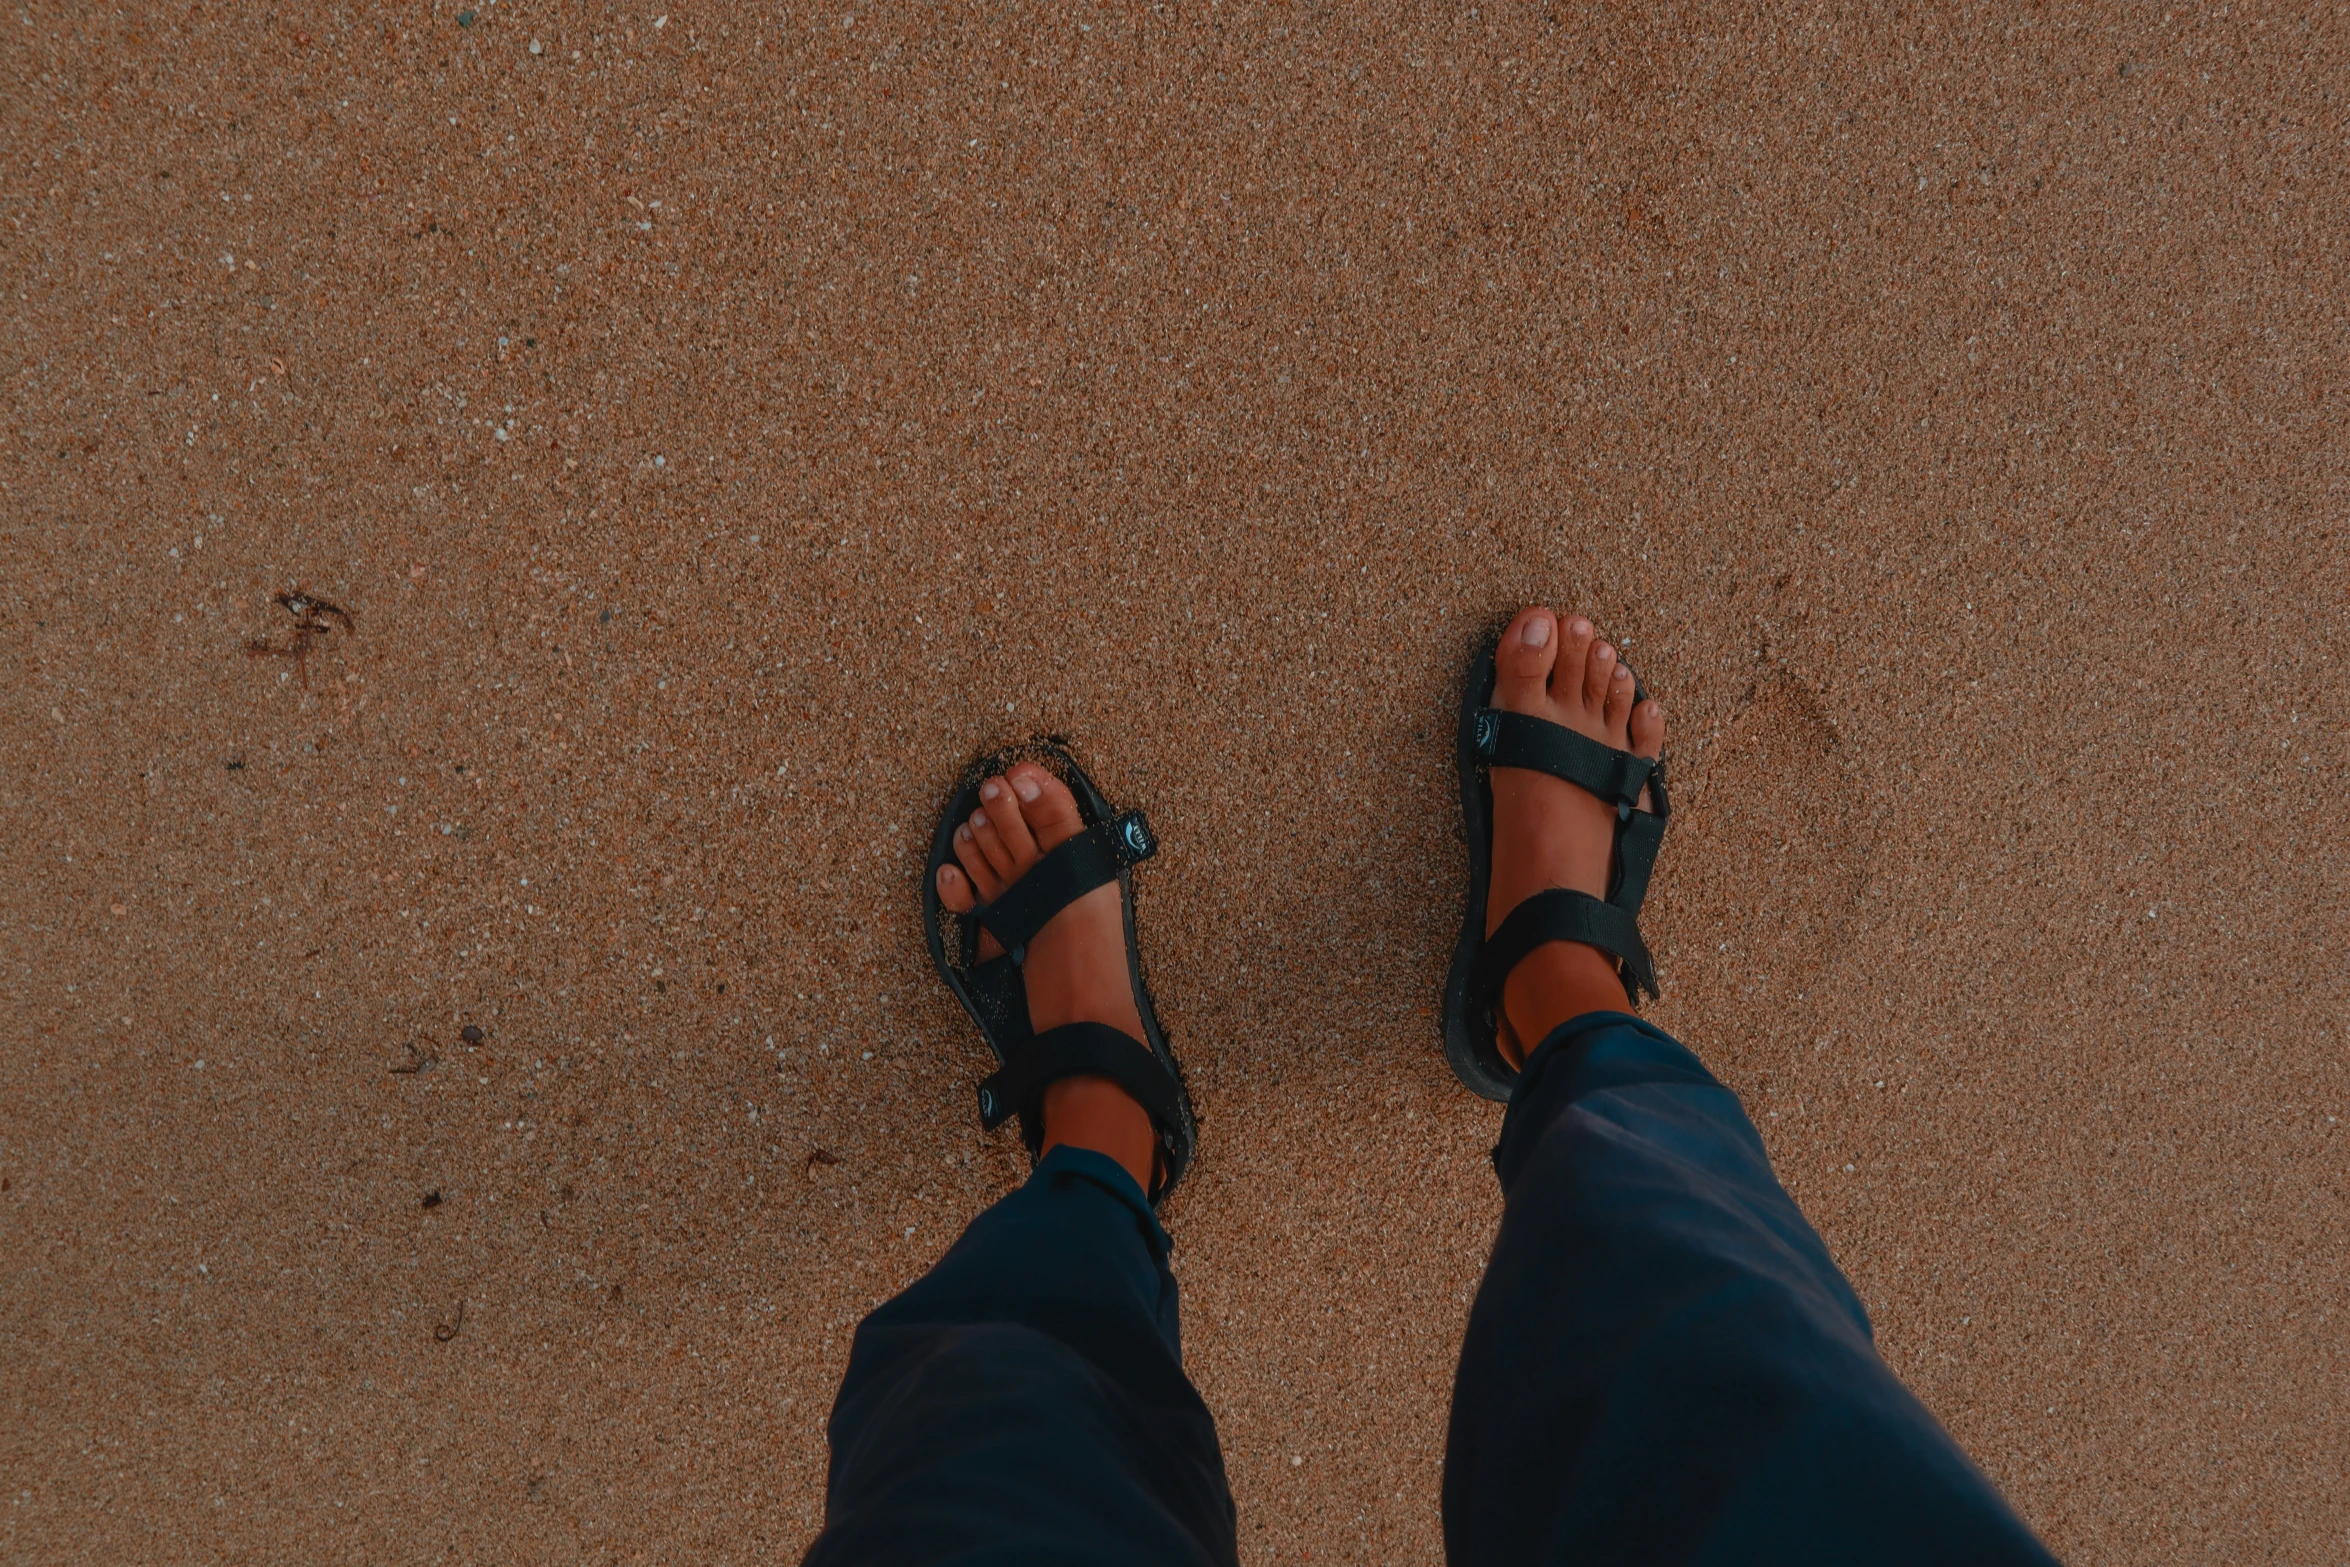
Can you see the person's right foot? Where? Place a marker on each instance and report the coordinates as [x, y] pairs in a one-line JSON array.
[[1548, 833], [1074, 970]]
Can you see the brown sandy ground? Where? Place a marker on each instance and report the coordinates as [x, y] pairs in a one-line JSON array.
[[717, 428]]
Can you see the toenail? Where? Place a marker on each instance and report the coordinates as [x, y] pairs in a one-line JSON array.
[[1537, 631], [963, 831], [988, 790], [1581, 627], [1603, 652], [979, 818], [1026, 788]]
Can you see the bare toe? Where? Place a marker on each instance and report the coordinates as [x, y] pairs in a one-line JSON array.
[[1596, 677], [1001, 807], [954, 892], [973, 859], [1047, 805], [1521, 665], [990, 839], [1574, 660], [1648, 728], [1619, 706]]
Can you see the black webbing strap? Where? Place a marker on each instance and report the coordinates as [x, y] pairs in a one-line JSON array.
[[1638, 836], [1522, 740], [1556, 914], [1091, 859], [1076, 1050]]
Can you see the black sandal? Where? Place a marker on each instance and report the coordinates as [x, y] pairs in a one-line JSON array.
[[995, 995], [1491, 738]]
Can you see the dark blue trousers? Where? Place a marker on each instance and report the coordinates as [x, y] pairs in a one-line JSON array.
[[1663, 1365]]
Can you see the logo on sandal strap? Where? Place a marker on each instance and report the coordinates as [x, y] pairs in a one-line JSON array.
[[1137, 836], [1488, 732]]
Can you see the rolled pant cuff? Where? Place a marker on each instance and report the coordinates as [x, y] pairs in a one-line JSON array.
[[1582, 1056]]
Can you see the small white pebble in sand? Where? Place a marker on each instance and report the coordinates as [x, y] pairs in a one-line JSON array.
[[1296, 1461], [536, 47], [868, 1055]]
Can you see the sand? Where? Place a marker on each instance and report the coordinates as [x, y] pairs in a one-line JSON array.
[[717, 429]]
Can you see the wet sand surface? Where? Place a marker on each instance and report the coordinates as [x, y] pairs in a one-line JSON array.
[[716, 429]]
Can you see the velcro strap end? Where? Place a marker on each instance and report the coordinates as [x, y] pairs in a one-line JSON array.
[[994, 1108]]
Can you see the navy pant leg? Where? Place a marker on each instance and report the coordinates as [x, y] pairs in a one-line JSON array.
[[1664, 1364], [1024, 1401]]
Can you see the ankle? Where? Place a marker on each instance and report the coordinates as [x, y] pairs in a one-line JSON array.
[[1095, 1113], [1556, 983]]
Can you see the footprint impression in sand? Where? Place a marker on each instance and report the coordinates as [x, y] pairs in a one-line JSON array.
[[1762, 875]]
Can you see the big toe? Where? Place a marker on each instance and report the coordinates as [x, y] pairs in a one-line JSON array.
[[1522, 663], [1046, 804]]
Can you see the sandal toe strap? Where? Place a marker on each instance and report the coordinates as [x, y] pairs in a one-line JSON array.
[[1506, 739], [1094, 858]]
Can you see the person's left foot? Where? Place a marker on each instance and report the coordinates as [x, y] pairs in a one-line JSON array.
[[1074, 969]]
